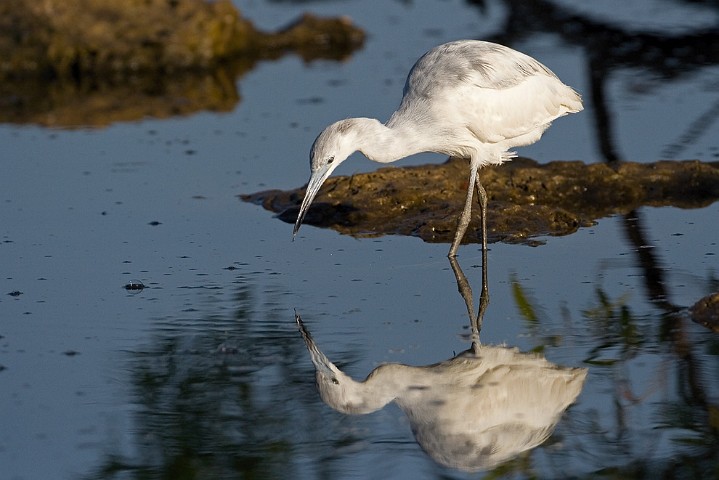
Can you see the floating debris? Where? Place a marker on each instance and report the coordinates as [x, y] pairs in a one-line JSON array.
[[134, 285]]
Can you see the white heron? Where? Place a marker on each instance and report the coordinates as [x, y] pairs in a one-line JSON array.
[[469, 99], [471, 412]]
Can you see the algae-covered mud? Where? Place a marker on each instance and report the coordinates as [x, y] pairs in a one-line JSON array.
[[526, 199], [706, 312], [87, 37], [95, 62]]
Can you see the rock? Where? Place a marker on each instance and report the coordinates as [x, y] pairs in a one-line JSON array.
[[526, 199], [706, 312]]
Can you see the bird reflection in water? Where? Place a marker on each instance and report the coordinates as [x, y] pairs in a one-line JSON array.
[[471, 412]]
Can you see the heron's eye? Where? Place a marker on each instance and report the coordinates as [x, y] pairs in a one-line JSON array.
[[335, 381], [330, 160]]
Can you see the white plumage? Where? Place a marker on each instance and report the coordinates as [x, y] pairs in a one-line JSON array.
[[468, 98], [471, 412]]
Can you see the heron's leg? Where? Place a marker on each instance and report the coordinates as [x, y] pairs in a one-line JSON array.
[[466, 213], [482, 198], [484, 295], [483, 302], [464, 289]]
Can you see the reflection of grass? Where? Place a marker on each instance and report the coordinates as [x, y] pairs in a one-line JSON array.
[[669, 429], [526, 310], [220, 392], [615, 327], [199, 413], [611, 321]]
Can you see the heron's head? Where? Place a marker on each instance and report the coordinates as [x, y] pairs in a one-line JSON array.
[[331, 147], [337, 389], [340, 391]]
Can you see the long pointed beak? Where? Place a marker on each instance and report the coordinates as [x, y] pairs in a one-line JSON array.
[[321, 362], [316, 181]]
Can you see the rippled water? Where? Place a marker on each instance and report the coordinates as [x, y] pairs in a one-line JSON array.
[[203, 374]]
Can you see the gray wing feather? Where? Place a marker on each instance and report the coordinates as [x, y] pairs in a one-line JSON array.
[[485, 64], [493, 91]]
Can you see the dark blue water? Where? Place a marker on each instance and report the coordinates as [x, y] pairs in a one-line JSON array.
[[203, 374]]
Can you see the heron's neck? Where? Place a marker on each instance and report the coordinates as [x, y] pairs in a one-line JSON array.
[[385, 144], [382, 386]]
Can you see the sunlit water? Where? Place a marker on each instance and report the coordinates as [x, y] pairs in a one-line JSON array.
[[203, 374]]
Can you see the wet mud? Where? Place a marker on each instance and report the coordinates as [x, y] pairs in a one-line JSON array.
[[526, 199], [95, 62], [706, 312]]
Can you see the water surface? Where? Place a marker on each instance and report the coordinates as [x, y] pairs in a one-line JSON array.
[[203, 374]]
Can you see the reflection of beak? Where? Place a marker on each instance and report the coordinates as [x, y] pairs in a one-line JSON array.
[[316, 181], [322, 363]]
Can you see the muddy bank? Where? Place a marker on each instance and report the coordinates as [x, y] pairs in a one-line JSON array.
[[72, 38], [526, 199], [94, 62], [706, 312]]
